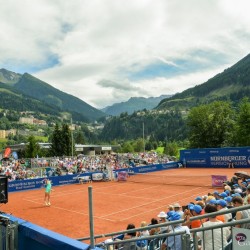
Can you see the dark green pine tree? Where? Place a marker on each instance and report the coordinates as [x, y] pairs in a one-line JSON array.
[[56, 142], [67, 140]]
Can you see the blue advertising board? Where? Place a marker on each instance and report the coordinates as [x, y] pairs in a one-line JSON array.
[[35, 183], [216, 157]]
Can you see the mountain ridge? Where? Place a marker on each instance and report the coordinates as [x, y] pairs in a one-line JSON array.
[[37, 89], [134, 104]]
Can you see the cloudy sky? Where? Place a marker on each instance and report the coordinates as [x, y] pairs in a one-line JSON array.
[[106, 51]]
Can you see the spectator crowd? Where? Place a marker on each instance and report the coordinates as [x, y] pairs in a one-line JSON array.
[[16, 169], [235, 193]]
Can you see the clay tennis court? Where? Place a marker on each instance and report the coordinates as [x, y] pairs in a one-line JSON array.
[[115, 204]]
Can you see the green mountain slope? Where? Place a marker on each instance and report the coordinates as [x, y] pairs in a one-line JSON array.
[[12, 99], [232, 84], [134, 104], [44, 92]]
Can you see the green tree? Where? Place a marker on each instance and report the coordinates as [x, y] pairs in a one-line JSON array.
[[243, 123], [56, 142], [171, 149], [61, 141], [127, 147], [66, 140], [79, 137], [32, 148], [210, 125], [139, 145]]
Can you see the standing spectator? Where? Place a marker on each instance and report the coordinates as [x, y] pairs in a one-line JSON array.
[[230, 164], [213, 238]]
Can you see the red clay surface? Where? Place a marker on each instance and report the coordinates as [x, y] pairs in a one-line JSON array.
[[115, 204]]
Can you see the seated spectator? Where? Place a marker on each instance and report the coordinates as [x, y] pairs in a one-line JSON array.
[[202, 204], [170, 208], [194, 210], [243, 186], [230, 205], [175, 242], [212, 239], [227, 187], [204, 198], [177, 208], [162, 219], [209, 198], [155, 230], [216, 195], [237, 189], [130, 235], [244, 214], [223, 195], [143, 232], [222, 205], [198, 198], [142, 244], [247, 192]]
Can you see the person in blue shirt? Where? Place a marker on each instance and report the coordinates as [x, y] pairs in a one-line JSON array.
[[175, 242]]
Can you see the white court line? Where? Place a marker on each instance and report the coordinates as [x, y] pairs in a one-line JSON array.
[[65, 193], [158, 208], [68, 210], [60, 193], [147, 203]]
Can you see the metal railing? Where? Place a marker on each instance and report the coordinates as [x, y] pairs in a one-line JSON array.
[[186, 242], [8, 234]]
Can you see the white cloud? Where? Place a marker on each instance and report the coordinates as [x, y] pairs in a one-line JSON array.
[[92, 49]]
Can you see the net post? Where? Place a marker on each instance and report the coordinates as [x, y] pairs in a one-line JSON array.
[[91, 220]]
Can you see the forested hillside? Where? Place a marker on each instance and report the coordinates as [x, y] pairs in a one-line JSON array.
[[157, 127], [233, 84], [134, 104], [44, 92]]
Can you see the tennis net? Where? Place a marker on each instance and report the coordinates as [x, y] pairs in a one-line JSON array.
[[177, 180]]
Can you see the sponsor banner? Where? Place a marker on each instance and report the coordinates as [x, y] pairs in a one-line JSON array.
[[71, 179], [218, 180], [106, 148], [241, 238], [97, 176], [25, 185], [216, 157], [39, 182], [122, 176]]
